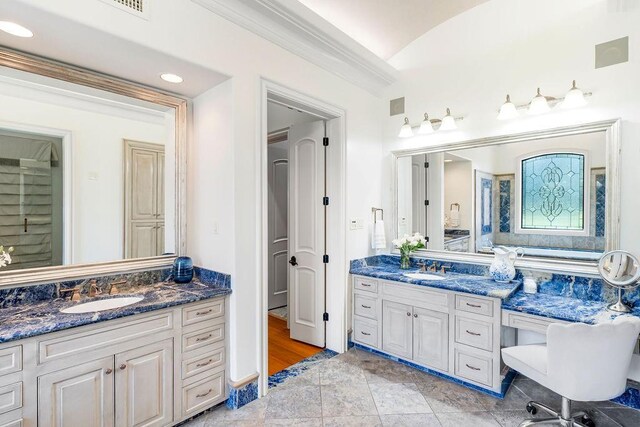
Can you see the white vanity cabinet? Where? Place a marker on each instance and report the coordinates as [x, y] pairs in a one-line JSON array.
[[455, 333], [152, 369]]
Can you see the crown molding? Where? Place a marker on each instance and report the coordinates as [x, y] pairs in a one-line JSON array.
[[292, 26]]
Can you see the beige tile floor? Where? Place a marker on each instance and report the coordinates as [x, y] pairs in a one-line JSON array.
[[361, 389]]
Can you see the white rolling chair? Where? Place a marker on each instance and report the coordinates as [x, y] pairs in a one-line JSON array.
[[579, 362]]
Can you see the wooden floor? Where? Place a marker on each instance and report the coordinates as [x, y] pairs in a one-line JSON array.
[[283, 351]]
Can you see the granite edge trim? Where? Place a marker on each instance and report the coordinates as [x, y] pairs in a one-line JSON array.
[[238, 397]]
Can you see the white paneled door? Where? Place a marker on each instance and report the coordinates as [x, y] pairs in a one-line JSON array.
[[307, 232], [277, 157]]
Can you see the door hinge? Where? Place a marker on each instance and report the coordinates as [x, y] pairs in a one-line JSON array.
[[325, 317], [426, 165], [426, 239], [426, 203], [325, 141], [325, 259], [325, 201]]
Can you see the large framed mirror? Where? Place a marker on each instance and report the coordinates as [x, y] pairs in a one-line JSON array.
[[553, 193], [92, 172]]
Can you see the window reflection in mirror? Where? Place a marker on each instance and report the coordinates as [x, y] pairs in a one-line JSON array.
[[85, 175], [546, 196]]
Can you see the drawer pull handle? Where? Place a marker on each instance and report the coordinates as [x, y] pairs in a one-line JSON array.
[[365, 333], [366, 285], [365, 306], [473, 305], [472, 367], [475, 334], [202, 313], [200, 365], [204, 394], [203, 338]]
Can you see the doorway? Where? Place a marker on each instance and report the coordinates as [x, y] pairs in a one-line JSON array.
[[303, 285]]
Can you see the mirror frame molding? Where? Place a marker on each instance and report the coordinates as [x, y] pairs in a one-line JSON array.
[[611, 128], [72, 74]]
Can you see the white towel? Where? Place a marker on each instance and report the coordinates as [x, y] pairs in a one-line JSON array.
[[454, 217], [378, 239]]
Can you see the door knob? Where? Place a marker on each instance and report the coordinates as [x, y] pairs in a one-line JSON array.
[[293, 261]]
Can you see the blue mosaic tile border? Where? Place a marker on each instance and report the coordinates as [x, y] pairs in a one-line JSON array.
[[487, 185], [295, 370], [601, 184], [506, 382], [505, 206], [630, 398], [238, 397]]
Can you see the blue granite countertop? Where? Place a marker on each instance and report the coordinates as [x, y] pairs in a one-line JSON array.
[[29, 319], [451, 281]]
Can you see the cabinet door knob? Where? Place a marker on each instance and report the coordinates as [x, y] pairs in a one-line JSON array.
[[108, 371], [123, 366], [415, 315], [408, 314]]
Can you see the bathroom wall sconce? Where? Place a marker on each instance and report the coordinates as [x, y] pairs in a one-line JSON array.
[[541, 104], [448, 122]]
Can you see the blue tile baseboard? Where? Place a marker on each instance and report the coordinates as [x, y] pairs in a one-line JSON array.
[[238, 397], [630, 398], [295, 370], [506, 382]]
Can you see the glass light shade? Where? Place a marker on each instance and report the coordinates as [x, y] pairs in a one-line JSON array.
[[448, 122], [15, 29], [574, 98], [508, 110], [538, 104], [425, 126], [405, 130], [171, 78]]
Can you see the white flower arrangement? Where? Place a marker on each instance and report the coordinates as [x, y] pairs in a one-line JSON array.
[[5, 257], [409, 243]]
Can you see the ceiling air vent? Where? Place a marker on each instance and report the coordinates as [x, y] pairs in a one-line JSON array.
[[136, 7]]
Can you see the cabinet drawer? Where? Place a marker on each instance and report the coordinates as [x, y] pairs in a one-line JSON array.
[[474, 333], [202, 394], [365, 306], [203, 362], [365, 284], [10, 360], [202, 337], [103, 337], [201, 312], [473, 367], [474, 305], [417, 294], [10, 397], [527, 322], [365, 332]]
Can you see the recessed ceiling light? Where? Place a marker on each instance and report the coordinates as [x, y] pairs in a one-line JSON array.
[[15, 29], [171, 78]]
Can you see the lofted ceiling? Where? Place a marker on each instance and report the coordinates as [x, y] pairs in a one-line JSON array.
[[386, 26]]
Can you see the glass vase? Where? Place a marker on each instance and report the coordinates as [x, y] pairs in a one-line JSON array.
[[405, 262], [183, 269]]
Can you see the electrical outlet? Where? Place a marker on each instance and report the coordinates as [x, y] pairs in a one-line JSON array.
[[353, 224]]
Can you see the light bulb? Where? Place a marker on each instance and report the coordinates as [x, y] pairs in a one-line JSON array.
[[574, 98], [405, 130], [448, 122], [425, 126], [538, 104], [15, 29], [508, 110], [171, 78]]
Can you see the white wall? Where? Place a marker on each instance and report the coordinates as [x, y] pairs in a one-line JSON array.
[[97, 162], [472, 61], [224, 174], [458, 188], [280, 117]]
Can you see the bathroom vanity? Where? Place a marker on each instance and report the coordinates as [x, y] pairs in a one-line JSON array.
[[153, 363]]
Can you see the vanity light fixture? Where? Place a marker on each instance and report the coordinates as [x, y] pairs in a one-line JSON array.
[[508, 110], [405, 130], [15, 29], [574, 98], [539, 104], [448, 122], [171, 78], [426, 126]]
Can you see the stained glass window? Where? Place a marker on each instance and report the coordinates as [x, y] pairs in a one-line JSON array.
[[553, 192]]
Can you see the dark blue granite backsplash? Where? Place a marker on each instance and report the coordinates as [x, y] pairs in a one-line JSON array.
[[43, 292], [569, 286]]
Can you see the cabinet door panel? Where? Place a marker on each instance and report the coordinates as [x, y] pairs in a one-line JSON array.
[[144, 239], [144, 385], [144, 172], [431, 338], [396, 328], [81, 395]]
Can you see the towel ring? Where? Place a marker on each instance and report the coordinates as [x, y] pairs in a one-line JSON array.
[[375, 214]]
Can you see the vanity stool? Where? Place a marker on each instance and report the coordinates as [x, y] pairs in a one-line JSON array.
[[580, 362]]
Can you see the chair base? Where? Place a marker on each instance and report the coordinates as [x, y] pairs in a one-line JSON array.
[[563, 418]]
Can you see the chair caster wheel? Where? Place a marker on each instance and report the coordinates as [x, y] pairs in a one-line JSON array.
[[587, 421], [531, 409]]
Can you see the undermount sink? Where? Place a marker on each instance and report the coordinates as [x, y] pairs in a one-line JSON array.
[[101, 305], [423, 276]]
